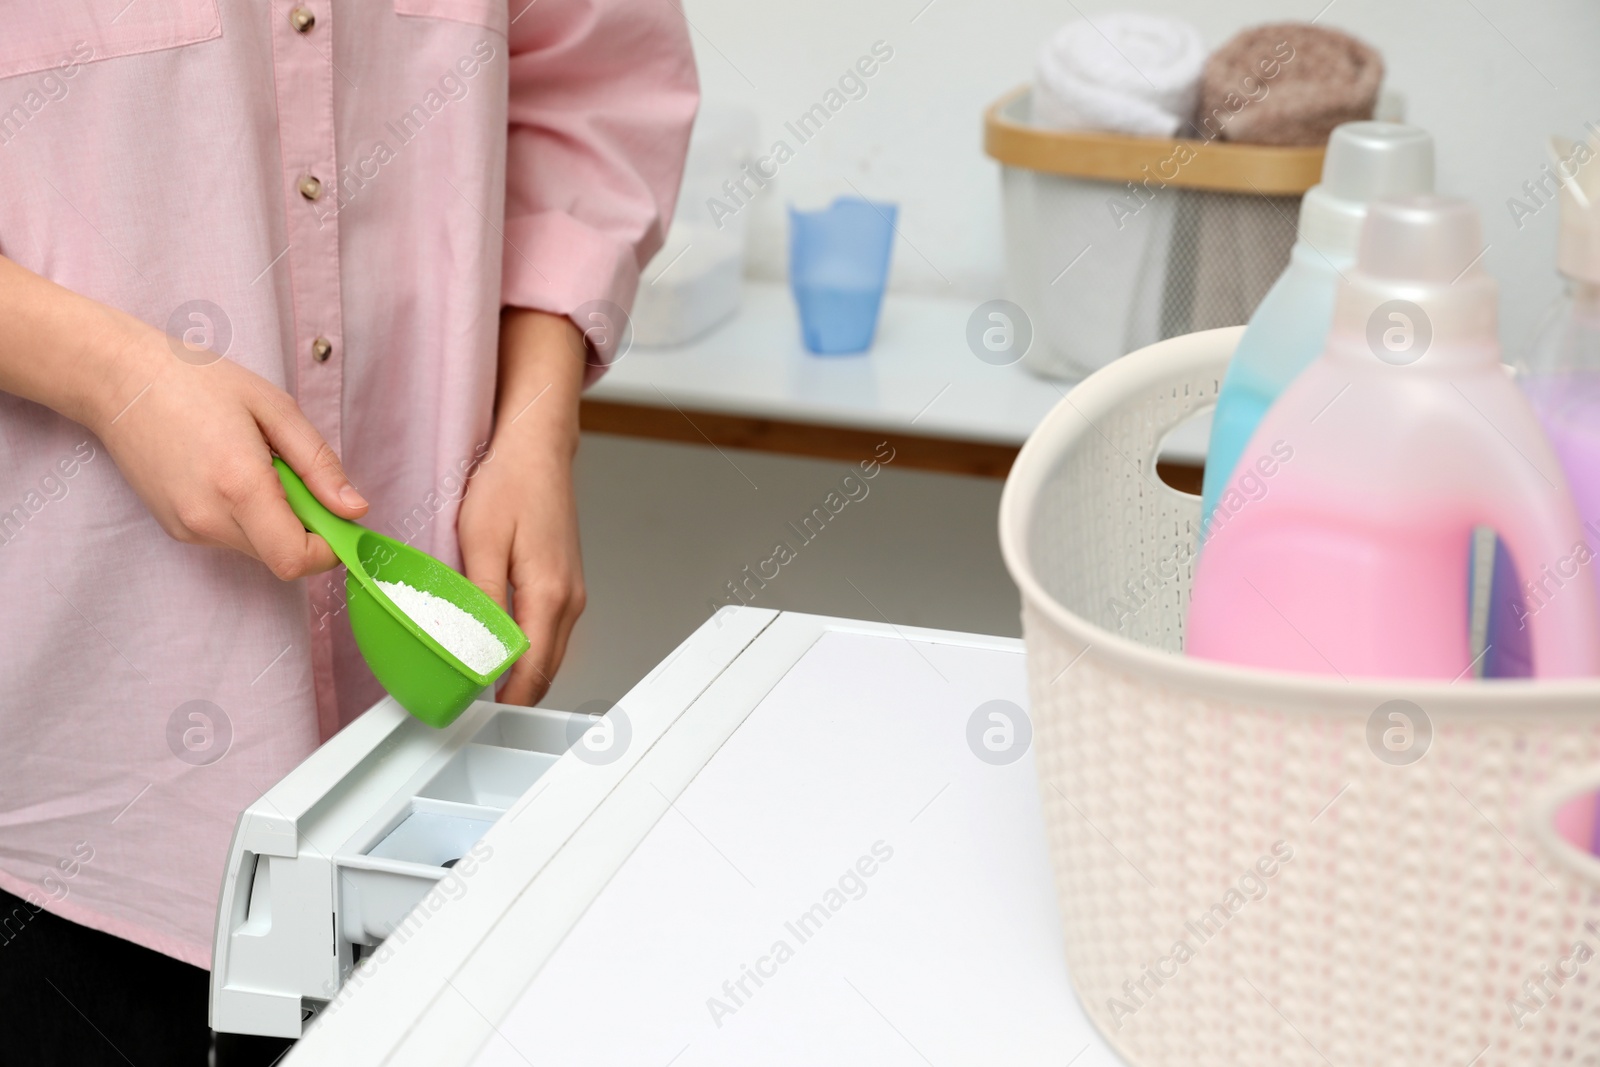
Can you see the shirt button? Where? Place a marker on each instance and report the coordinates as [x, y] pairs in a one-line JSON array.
[[302, 19], [321, 349], [310, 187]]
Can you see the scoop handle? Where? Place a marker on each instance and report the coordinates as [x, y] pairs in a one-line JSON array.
[[342, 535]]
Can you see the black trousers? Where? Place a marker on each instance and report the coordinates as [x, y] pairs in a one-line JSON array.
[[74, 996]]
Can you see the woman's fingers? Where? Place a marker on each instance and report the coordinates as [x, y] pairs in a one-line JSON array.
[[530, 677], [540, 605], [276, 537], [293, 437], [526, 682], [546, 602], [486, 555], [575, 604], [486, 559]]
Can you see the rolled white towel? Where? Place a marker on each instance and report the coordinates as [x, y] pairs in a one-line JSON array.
[[1125, 73]]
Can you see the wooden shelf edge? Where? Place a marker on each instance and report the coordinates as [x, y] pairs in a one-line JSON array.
[[915, 451], [920, 452]]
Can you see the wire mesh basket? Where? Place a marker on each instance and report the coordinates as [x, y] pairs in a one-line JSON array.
[[1258, 869], [1115, 242]]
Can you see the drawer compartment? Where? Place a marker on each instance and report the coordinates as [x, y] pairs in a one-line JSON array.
[[488, 776]]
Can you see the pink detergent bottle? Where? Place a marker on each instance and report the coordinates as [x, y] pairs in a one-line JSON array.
[[1340, 544]]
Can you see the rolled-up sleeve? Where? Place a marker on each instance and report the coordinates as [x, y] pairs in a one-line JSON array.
[[603, 94]]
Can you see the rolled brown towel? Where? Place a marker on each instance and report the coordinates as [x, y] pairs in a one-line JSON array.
[[1287, 83]]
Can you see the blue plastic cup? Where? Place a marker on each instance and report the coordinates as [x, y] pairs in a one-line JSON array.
[[838, 266]]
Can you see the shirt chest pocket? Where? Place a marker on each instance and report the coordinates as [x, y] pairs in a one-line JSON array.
[[487, 13], [64, 34]]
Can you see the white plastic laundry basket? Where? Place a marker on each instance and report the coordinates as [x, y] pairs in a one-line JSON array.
[[1346, 892]]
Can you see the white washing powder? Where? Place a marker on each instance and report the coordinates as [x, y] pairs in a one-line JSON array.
[[469, 640]]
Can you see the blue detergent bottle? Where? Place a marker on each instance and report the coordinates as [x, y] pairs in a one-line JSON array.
[[1366, 161]]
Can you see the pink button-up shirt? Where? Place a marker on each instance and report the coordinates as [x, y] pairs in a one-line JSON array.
[[342, 207]]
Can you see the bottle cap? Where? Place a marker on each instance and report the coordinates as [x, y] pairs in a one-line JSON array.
[[1578, 248], [1419, 290], [1421, 240], [1366, 161]]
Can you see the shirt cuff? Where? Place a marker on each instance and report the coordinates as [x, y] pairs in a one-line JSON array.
[[556, 264]]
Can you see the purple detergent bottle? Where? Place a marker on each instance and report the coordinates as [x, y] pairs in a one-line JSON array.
[[1560, 375]]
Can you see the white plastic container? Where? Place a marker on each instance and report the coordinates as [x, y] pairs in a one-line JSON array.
[[692, 285], [1426, 894]]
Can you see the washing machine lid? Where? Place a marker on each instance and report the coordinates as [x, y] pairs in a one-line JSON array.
[[820, 842]]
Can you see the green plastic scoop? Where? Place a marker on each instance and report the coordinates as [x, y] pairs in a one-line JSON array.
[[421, 674]]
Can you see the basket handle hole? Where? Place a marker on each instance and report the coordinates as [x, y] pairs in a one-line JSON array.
[[1181, 455], [1576, 822]]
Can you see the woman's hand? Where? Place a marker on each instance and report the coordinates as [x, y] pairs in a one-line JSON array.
[[194, 438], [519, 521], [197, 447]]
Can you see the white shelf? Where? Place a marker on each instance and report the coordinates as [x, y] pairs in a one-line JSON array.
[[919, 377]]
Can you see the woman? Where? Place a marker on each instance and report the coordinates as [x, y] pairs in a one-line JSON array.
[[356, 235]]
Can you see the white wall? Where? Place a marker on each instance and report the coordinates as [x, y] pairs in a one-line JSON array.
[[666, 527], [1490, 78]]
